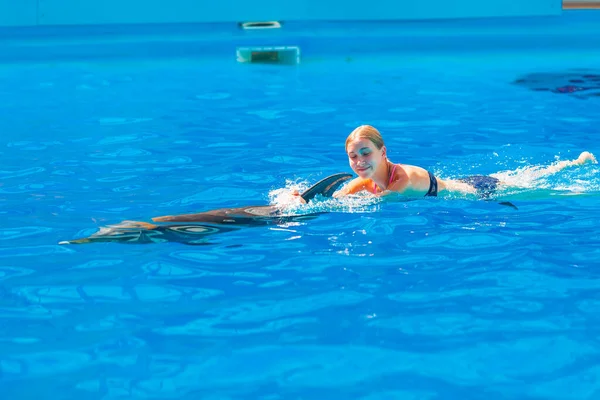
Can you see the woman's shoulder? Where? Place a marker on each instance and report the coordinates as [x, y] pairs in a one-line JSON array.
[[410, 179], [411, 167], [415, 171]]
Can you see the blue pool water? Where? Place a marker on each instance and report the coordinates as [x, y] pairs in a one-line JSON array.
[[424, 299]]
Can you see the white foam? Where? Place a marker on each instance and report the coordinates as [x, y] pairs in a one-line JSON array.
[[290, 204], [575, 178]]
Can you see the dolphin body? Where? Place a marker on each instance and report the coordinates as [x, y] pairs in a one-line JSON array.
[[194, 228]]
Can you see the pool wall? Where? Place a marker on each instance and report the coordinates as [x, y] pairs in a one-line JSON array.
[[78, 12], [573, 30]]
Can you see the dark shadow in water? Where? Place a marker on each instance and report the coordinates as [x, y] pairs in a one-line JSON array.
[[581, 83]]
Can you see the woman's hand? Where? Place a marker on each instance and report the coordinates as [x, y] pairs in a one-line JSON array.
[[296, 194]]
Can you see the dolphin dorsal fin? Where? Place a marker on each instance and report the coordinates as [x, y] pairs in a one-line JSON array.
[[326, 187]]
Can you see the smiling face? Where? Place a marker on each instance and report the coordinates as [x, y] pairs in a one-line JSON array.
[[364, 156]]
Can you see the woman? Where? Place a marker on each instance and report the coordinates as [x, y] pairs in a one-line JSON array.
[[367, 155]]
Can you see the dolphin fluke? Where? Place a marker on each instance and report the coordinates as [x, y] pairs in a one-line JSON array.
[[125, 231], [194, 228], [136, 232]]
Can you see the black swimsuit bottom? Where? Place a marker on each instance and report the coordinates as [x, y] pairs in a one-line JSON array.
[[485, 185], [433, 186]]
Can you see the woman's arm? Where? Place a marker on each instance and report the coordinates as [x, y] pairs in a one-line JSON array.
[[559, 166], [354, 186]]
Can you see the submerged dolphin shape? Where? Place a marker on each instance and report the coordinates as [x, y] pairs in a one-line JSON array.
[[193, 228]]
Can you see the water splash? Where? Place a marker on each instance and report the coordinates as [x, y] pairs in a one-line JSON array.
[[290, 204], [577, 179], [284, 199]]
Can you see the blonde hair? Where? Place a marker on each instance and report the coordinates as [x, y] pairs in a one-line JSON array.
[[366, 132]]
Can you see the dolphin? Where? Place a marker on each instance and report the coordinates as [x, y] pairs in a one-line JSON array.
[[194, 228]]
